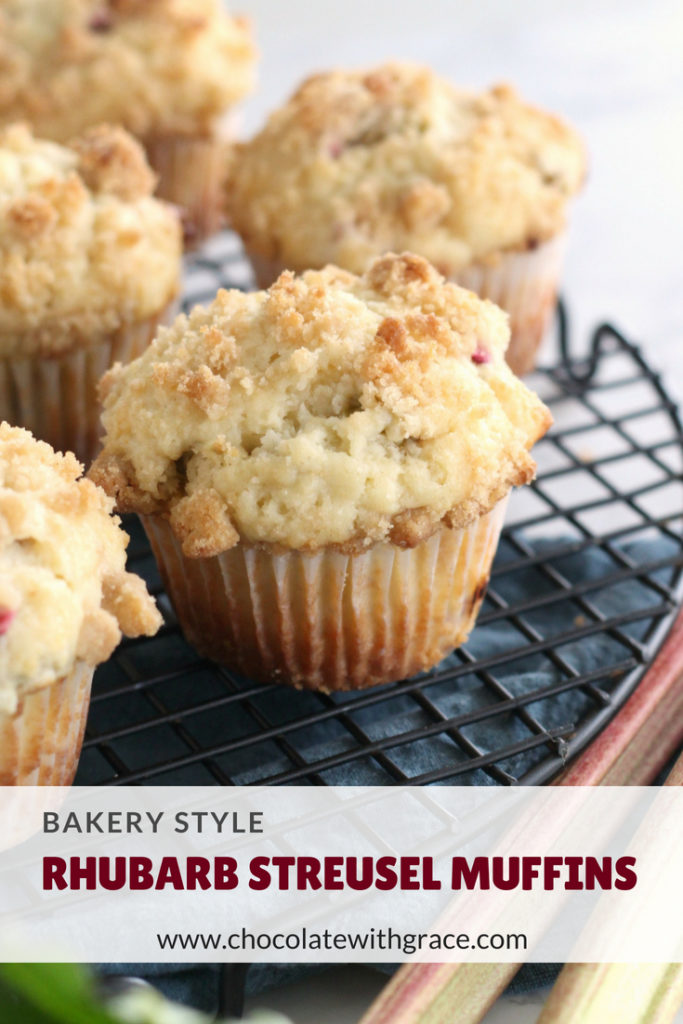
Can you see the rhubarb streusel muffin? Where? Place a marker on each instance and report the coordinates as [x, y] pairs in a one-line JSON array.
[[322, 469], [89, 265], [357, 163], [167, 70], [65, 600]]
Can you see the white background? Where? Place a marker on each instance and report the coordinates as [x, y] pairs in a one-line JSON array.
[[613, 67]]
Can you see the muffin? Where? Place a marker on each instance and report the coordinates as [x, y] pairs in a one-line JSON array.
[[89, 265], [322, 469], [65, 599], [357, 163], [167, 70]]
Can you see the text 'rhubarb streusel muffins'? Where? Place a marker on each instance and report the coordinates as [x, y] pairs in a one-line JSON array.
[[322, 469], [358, 163], [65, 600], [167, 70], [89, 265]]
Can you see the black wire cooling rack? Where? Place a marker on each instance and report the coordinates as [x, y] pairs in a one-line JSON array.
[[584, 588]]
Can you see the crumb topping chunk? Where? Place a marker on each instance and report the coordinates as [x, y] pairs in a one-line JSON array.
[[357, 163], [65, 595], [153, 66], [84, 246], [329, 410]]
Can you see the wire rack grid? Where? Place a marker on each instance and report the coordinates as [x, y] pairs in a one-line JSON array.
[[591, 562]]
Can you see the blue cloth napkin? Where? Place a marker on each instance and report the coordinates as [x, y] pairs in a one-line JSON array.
[[198, 985]]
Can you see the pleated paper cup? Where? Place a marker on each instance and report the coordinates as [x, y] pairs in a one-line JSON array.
[[328, 620], [523, 283], [55, 397], [40, 744], [192, 171]]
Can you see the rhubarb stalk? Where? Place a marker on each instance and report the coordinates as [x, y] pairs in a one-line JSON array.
[[627, 993], [615, 994], [632, 750], [431, 993], [675, 776]]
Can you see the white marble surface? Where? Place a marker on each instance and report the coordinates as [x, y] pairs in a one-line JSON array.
[[614, 68]]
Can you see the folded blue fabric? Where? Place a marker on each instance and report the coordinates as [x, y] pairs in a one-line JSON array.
[[198, 985]]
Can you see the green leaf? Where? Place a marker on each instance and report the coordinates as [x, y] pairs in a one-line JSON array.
[[51, 994]]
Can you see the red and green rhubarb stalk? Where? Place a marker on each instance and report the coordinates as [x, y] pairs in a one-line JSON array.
[[631, 751], [615, 994], [628, 993]]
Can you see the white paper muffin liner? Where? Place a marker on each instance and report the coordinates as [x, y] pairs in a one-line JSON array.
[[41, 743], [522, 283], [329, 620], [192, 171], [525, 285], [55, 397]]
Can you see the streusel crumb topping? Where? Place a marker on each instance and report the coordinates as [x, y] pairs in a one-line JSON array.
[[329, 410], [84, 246], [153, 66], [357, 163], [65, 595]]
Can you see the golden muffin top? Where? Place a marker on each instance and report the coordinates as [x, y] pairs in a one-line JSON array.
[[329, 410], [84, 246], [65, 595], [153, 66], [357, 163]]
